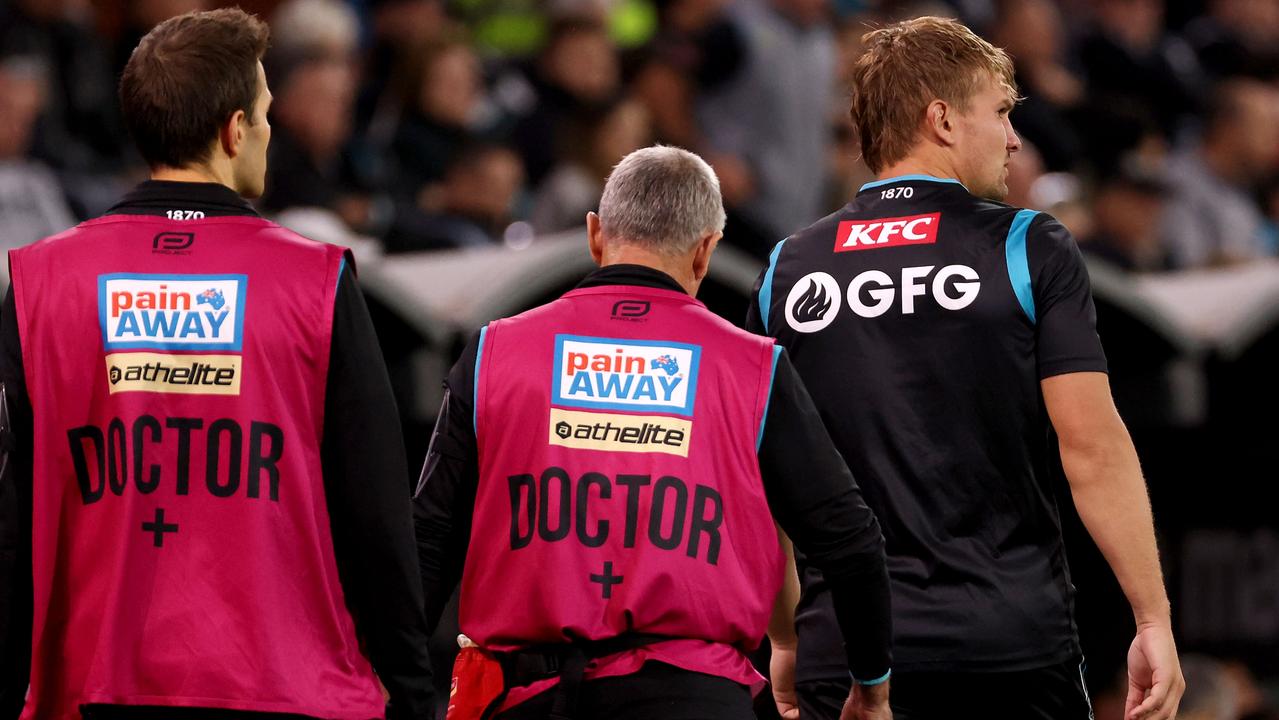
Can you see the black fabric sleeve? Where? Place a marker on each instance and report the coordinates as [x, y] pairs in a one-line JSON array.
[[445, 498], [818, 504], [754, 313], [1066, 320], [16, 449], [364, 481]]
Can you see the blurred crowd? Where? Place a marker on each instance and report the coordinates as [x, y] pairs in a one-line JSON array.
[[1151, 129]]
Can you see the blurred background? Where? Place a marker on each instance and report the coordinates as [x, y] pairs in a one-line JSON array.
[[456, 145]]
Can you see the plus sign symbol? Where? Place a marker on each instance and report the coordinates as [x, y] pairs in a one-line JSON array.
[[607, 579], [159, 527]]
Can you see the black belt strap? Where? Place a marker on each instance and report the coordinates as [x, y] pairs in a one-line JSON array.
[[567, 661], [565, 705]]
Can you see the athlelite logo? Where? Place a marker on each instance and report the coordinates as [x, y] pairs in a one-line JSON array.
[[183, 374], [813, 302], [620, 433], [887, 232]]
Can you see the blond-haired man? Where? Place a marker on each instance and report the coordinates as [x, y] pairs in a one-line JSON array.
[[944, 335]]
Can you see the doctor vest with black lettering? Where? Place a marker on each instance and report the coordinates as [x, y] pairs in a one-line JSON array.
[[619, 483], [178, 499]]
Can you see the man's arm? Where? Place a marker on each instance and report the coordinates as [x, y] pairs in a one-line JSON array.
[[366, 486], [817, 503], [16, 449], [1110, 494], [1100, 460], [445, 499], [782, 639]]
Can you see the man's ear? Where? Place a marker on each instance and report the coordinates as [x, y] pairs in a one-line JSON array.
[[702, 254], [231, 134], [939, 122], [595, 237]]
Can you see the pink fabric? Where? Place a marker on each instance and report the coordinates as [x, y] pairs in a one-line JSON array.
[[239, 606], [710, 568]]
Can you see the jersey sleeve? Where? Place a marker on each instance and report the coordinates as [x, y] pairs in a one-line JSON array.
[[1066, 339]]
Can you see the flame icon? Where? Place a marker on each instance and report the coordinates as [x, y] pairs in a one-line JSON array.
[[813, 304]]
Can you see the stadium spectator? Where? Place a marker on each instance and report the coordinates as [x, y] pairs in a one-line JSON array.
[[772, 113], [315, 28], [1237, 37], [308, 166], [1212, 217], [31, 202], [1126, 211], [576, 73], [1033, 33], [591, 143], [79, 133], [443, 90], [472, 207], [1128, 59]]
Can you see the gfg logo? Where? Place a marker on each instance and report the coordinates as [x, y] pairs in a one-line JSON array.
[[877, 286], [815, 300]]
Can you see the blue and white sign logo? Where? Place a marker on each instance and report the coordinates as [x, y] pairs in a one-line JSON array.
[[171, 312], [639, 375]]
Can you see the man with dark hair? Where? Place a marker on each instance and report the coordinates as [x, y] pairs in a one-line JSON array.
[[941, 332], [202, 508]]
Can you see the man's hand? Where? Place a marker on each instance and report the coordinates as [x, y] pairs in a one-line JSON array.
[[1155, 683], [867, 702], [781, 671]]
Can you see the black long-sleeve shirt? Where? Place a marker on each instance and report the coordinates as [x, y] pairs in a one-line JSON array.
[[363, 465], [809, 488]]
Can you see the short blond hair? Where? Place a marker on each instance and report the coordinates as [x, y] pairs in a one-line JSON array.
[[907, 65]]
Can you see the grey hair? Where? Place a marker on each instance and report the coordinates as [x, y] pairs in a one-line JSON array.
[[662, 198]]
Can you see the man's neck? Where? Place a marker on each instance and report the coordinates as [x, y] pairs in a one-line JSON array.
[[934, 167], [678, 268], [193, 174]]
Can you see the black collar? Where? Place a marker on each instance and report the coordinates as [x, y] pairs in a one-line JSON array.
[[165, 197], [638, 275]]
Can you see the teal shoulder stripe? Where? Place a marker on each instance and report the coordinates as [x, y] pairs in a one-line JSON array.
[[1018, 264], [772, 375], [766, 287], [341, 269], [908, 178], [475, 397]]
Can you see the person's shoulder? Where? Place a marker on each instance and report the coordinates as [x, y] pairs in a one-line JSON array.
[[57, 242], [991, 210], [818, 231], [1044, 229], [275, 238]]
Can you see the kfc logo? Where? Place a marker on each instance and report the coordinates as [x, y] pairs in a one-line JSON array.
[[887, 232]]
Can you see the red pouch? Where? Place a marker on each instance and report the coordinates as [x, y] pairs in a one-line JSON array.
[[477, 684]]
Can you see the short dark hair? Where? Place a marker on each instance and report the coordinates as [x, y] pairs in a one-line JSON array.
[[186, 77]]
